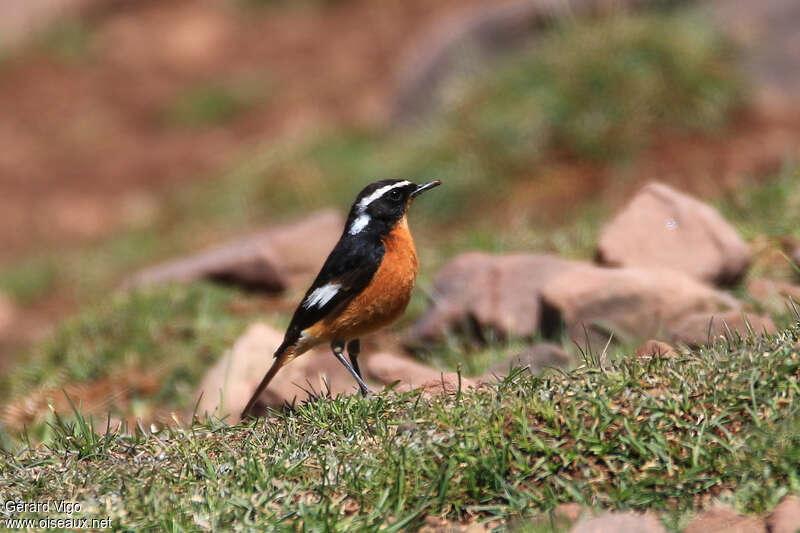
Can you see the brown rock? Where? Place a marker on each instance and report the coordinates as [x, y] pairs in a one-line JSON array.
[[476, 292], [537, 358], [774, 294], [388, 368], [570, 511], [663, 228], [484, 31], [654, 348], [561, 518], [620, 523], [304, 245], [722, 519], [268, 260], [786, 516], [694, 330], [228, 385], [630, 302]]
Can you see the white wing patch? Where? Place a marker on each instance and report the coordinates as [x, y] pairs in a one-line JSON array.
[[321, 295], [363, 219]]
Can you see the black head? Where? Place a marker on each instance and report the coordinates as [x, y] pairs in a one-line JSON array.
[[382, 204]]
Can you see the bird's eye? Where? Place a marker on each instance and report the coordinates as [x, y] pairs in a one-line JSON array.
[[395, 196]]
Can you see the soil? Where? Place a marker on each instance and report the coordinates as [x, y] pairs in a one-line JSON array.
[[88, 143]]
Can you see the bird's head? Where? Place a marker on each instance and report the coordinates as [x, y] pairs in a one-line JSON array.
[[380, 205]]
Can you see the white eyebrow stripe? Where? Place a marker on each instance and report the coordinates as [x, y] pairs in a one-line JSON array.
[[321, 295], [359, 224], [380, 192]]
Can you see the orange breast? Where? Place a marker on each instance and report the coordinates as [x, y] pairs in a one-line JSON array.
[[386, 297]]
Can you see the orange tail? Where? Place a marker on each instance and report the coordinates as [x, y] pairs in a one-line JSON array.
[[280, 360]]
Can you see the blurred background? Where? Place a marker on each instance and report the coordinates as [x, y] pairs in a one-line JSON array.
[[136, 132]]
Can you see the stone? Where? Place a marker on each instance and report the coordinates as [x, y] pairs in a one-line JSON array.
[[537, 358], [304, 245], [570, 512], [477, 293], [722, 519], [631, 303], [389, 368], [228, 385], [774, 294], [620, 523], [654, 348], [561, 517], [666, 229], [269, 260], [471, 37], [786, 516], [694, 330], [765, 34], [791, 247]]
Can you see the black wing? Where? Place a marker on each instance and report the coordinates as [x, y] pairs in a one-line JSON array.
[[351, 266]]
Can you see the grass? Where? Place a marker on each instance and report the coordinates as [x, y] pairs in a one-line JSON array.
[[667, 435], [489, 139], [169, 334], [214, 103], [600, 90], [69, 41]]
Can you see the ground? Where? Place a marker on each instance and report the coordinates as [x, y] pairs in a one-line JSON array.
[[136, 145]]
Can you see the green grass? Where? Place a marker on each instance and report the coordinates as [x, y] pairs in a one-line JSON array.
[[770, 209], [484, 144], [29, 280], [172, 334], [601, 90], [69, 41], [215, 103], [665, 435]]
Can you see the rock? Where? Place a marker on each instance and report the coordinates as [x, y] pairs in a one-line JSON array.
[[694, 329], [461, 41], [389, 368], [722, 519], [620, 523], [765, 34], [791, 247], [773, 294], [654, 348], [560, 518], [786, 516], [269, 260], [229, 384], [663, 228], [570, 512], [537, 358], [476, 292], [304, 245], [632, 303]]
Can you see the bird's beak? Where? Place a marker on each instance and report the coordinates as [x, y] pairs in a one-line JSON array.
[[422, 188]]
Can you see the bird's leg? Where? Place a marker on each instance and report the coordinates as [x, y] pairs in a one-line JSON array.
[[338, 349], [353, 350]]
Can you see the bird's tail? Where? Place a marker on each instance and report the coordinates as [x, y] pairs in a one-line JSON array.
[[282, 355]]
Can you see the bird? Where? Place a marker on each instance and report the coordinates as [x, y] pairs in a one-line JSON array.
[[365, 283]]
